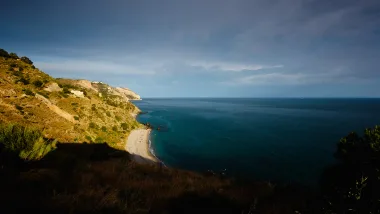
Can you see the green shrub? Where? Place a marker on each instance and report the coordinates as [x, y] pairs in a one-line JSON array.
[[108, 114], [38, 83], [12, 65], [64, 95], [350, 184], [76, 117], [114, 128], [104, 129], [93, 108], [17, 138], [17, 73], [13, 55], [28, 92], [88, 138], [118, 118], [99, 140], [26, 60], [28, 143], [20, 69], [33, 67], [92, 125], [23, 80], [66, 90], [124, 126], [4, 53], [20, 108]]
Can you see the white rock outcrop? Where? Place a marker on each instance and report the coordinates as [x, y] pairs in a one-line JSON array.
[[52, 87], [77, 93], [128, 93]]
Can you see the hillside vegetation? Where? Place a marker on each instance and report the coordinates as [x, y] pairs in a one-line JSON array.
[[66, 110]]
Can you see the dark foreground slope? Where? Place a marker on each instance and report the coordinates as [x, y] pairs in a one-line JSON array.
[[95, 178]]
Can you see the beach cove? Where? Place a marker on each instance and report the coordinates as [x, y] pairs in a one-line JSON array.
[[138, 146]]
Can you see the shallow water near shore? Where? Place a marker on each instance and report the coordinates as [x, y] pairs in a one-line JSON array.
[[281, 140]]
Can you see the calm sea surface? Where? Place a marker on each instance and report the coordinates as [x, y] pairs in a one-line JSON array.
[[282, 140]]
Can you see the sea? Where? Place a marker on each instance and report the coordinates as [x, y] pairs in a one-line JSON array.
[[283, 140]]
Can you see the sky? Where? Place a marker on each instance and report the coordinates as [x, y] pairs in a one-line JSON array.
[[203, 48]]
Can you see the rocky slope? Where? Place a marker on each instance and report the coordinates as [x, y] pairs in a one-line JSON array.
[[65, 109]]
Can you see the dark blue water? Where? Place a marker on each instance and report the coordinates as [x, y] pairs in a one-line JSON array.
[[282, 140]]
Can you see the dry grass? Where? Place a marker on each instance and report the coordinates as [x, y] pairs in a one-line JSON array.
[[94, 178]]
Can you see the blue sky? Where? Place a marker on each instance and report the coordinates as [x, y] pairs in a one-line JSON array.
[[204, 48]]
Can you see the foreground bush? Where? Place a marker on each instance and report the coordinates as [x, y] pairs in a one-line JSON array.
[[28, 143], [353, 185]]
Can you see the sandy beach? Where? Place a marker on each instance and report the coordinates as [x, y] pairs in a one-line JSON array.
[[138, 145]]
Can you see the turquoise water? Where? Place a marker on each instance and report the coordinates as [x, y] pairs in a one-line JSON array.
[[282, 140]]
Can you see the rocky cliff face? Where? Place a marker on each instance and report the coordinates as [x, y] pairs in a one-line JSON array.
[[128, 93]]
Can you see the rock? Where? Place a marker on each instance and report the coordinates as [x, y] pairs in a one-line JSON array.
[[52, 87], [128, 93], [77, 93]]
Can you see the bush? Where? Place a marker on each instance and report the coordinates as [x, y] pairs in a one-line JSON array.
[[28, 92], [13, 55], [38, 83], [17, 138], [17, 73], [124, 126], [108, 114], [20, 69], [66, 90], [118, 118], [33, 67], [4, 53], [92, 125], [104, 129], [114, 128], [20, 108], [99, 140], [12, 65], [349, 185], [76, 118], [23, 81], [26, 60], [88, 138]]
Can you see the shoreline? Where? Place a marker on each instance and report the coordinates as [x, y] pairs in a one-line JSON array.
[[138, 146]]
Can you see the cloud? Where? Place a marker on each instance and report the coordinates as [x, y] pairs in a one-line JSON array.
[[275, 78], [231, 66]]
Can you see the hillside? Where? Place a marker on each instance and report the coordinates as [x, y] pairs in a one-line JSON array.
[[66, 110]]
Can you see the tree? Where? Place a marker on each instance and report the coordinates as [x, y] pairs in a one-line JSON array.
[[26, 60], [4, 53], [13, 55], [354, 183]]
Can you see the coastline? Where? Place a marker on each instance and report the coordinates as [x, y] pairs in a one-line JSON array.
[[138, 146]]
